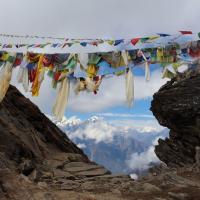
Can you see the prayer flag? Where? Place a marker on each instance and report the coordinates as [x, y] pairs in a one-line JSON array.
[[163, 34], [117, 42], [134, 41], [186, 32]]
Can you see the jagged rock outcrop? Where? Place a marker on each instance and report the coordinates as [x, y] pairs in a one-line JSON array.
[[26, 133], [36, 157], [177, 106], [39, 162]]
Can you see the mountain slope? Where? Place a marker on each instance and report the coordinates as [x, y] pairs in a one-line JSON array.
[[38, 162], [32, 146], [26, 129]]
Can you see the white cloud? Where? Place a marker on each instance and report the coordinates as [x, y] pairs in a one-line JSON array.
[[111, 93], [94, 18], [98, 130], [101, 130], [134, 176], [81, 146], [47, 95], [150, 125], [121, 115], [142, 161]]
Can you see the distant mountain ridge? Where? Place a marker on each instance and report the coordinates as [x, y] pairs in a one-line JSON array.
[[110, 145]]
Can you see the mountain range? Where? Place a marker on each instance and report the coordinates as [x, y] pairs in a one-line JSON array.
[[126, 150]]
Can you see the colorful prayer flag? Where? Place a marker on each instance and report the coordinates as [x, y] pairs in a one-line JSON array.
[[134, 41], [163, 34], [186, 32], [117, 42]]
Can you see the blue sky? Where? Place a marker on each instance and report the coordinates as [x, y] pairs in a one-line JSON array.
[[110, 102], [121, 114], [140, 107]]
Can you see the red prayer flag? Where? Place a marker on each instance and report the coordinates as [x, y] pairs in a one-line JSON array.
[[17, 62], [134, 41], [57, 76], [186, 32]]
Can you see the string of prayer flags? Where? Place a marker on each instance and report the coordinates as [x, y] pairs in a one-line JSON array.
[[86, 71], [67, 43]]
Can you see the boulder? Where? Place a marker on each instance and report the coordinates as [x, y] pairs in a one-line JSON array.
[[177, 106]]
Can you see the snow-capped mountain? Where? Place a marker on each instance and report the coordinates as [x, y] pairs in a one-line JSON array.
[[115, 147]]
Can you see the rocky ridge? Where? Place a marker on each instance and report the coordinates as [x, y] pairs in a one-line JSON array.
[[37, 157], [39, 162]]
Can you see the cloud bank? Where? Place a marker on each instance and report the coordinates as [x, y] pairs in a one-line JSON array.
[[98, 18], [142, 161], [111, 93], [95, 129], [101, 130]]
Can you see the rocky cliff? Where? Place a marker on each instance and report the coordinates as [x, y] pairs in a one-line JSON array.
[[39, 162], [37, 157], [27, 134], [177, 106]]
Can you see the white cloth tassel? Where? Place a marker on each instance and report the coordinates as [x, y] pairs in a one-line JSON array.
[[125, 57], [5, 77], [61, 99], [22, 77], [83, 59], [130, 88], [147, 69], [164, 72], [147, 72], [25, 81]]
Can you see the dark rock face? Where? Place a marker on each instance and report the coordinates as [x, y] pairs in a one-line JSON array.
[[38, 162], [27, 133], [37, 158], [177, 106]]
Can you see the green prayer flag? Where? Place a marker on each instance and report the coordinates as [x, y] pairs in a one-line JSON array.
[[142, 40], [94, 59], [11, 59], [168, 74], [176, 66]]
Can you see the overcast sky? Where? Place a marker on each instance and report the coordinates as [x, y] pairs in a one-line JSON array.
[[98, 18]]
